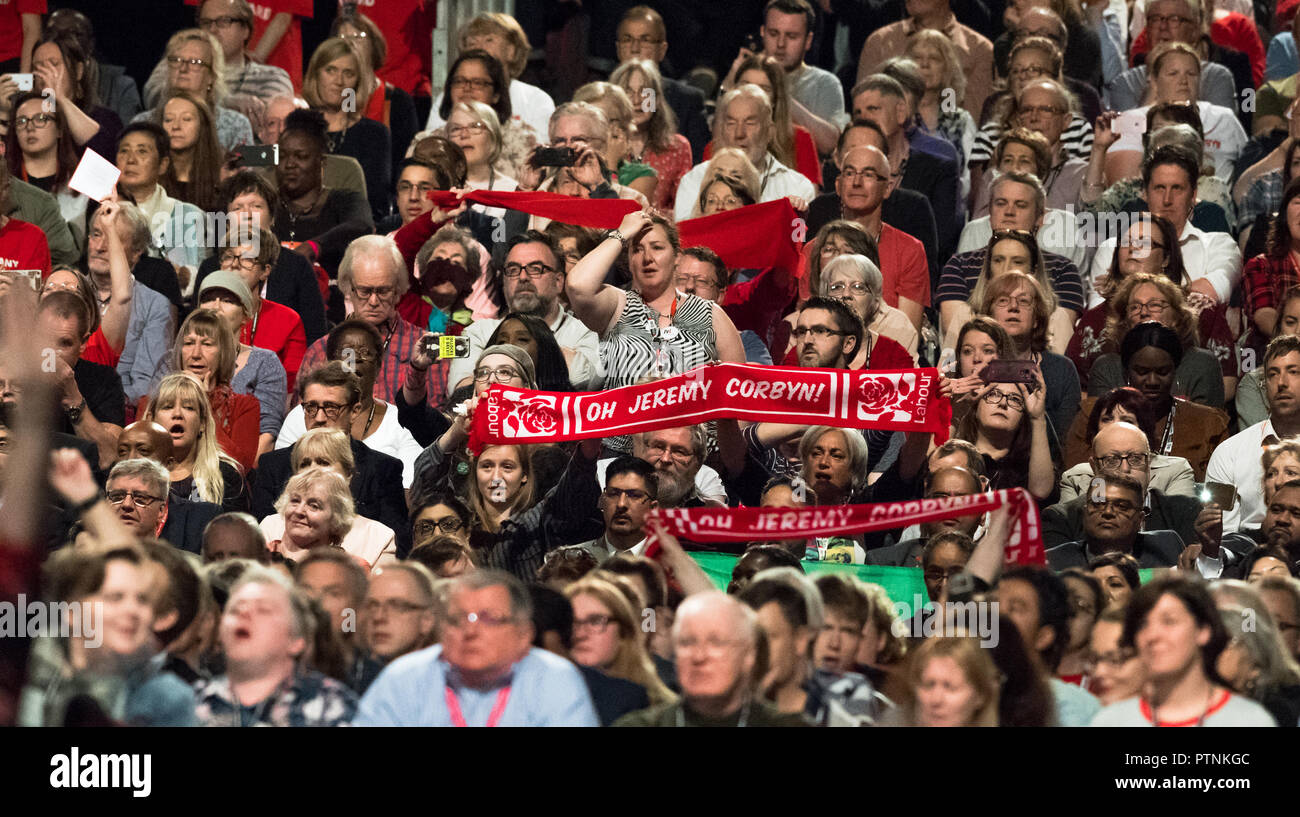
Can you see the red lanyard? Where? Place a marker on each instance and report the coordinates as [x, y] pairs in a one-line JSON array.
[[457, 719]]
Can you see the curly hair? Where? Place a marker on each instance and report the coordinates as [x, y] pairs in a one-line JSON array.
[[1118, 322]]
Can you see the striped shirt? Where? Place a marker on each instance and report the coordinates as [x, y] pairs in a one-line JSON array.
[[963, 269], [1076, 140], [397, 352]]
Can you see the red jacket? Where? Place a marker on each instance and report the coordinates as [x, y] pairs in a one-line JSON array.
[[279, 329]]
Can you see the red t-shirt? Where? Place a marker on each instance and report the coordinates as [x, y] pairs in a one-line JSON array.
[[11, 25], [407, 27], [288, 54], [99, 351], [904, 267], [23, 246], [279, 329]]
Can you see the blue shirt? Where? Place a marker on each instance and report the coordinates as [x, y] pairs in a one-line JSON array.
[[545, 690]]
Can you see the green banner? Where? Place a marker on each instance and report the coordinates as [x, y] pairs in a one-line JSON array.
[[903, 584]]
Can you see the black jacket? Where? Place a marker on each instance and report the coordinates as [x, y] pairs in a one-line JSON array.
[[1159, 548], [687, 103], [1063, 522], [906, 553], [186, 521], [376, 488], [613, 697]]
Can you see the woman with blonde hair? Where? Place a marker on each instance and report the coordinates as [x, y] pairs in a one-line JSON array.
[[654, 138], [951, 681], [613, 101], [200, 470], [316, 510], [195, 62], [607, 636], [339, 83], [740, 174], [474, 127], [945, 89]]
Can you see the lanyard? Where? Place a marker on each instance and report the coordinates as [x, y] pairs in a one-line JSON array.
[[457, 719]]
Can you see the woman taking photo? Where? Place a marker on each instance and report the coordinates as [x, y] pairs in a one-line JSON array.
[[194, 172], [1178, 634], [257, 371], [1009, 429], [41, 151], [607, 636], [980, 341], [359, 347], [201, 470], [649, 330], [654, 138], [951, 681], [339, 83], [315, 511], [1022, 307], [613, 101], [196, 63], [207, 350], [1166, 474]]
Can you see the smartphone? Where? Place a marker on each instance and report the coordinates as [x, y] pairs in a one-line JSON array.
[[754, 43], [554, 157], [1221, 494], [258, 155], [445, 347], [25, 82], [1009, 371], [1130, 124]]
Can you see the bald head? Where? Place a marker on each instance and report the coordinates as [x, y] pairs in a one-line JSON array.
[[720, 611], [145, 439], [1122, 440], [1041, 21]]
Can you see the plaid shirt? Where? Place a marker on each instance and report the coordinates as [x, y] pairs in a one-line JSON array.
[[1267, 280], [306, 698], [1263, 196], [393, 371], [963, 270]]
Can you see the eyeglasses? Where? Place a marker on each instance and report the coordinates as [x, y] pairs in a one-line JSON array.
[[711, 645], [1022, 301], [366, 293], [392, 607], [1046, 110], [728, 203], [997, 398], [632, 494], [627, 40], [1120, 506], [1173, 19], [501, 374], [140, 500], [936, 575], [1136, 460], [234, 259], [428, 527], [657, 449], [857, 288], [332, 410], [1029, 71], [37, 122], [405, 188], [866, 175], [1115, 658], [1140, 244], [457, 620], [818, 333], [534, 270], [472, 129], [596, 623], [355, 35], [180, 63], [1153, 307], [476, 84], [219, 22], [576, 141], [695, 281]]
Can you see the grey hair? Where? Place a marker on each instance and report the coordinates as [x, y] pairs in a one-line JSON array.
[[753, 92], [1181, 134], [860, 267], [1252, 628], [448, 234], [303, 621], [746, 620], [152, 473], [372, 246], [343, 511], [596, 115], [699, 441], [138, 234], [521, 603], [857, 445]]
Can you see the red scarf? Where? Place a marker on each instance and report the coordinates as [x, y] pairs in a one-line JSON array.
[[899, 400], [601, 214], [1024, 540], [752, 237]]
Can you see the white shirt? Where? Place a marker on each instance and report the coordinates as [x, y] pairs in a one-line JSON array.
[[1239, 461], [1224, 137], [1214, 256], [778, 181], [602, 549], [570, 333], [390, 438], [708, 484], [1057, 235], [528, 103], [498, 181]]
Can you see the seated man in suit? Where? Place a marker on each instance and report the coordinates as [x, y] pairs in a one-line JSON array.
[[947, 482], [1123, 449], [185, 519], [1112, 521], [331, 397]]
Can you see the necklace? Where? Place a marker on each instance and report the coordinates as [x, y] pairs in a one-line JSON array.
[[365, 431], [335, 142], [305, 211], [1209, 699]]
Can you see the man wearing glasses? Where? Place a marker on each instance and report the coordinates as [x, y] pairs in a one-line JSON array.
[[331, 397], [137, 492], [631, 488], [372, 276], [1122, 449], [533, 282], [1112, 521], [485, 672]]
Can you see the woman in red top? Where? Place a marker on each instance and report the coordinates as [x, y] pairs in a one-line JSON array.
[[273, 326], [201, 469], [207, 350], [654, 139], [792, 144]]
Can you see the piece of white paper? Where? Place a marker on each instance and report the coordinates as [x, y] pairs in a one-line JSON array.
[[96, 176]]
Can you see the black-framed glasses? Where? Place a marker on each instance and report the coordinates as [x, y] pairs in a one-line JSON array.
[[818, 332], [430, 527], [501, 374], [866, 174], [632, 494], [219, 22], [38, 122], [332, 410], [1136, 459], [141, 500], [599, 623], [404, 188], [366, 293], [997, 398], [628, 40], [234, 259], [472, 129], [1120, 506], [534, 270], [472, 82]]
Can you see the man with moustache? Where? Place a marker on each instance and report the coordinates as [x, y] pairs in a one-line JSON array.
[[631, 493]]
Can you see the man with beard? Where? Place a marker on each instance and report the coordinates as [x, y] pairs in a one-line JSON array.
[[827, 335], [1281, 528], [631, 491], [945, 483], [534, 283], [677, 455]]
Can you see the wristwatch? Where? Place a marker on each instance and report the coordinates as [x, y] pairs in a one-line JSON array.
[[74, 413], [622, 239]]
